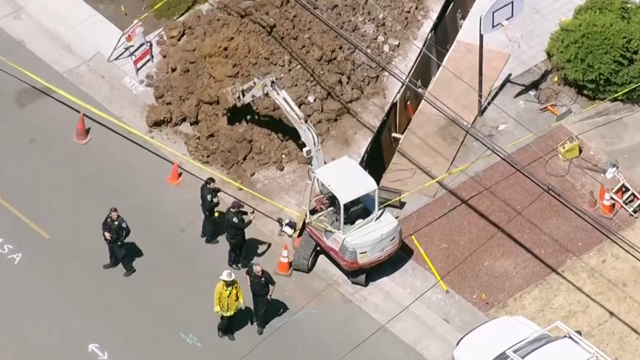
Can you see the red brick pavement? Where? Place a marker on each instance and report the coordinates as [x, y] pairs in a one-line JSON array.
[[498, 233]]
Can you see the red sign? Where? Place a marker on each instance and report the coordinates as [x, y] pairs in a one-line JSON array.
[[141, 57]]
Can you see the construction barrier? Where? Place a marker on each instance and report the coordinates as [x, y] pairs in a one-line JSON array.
[[146, 138]]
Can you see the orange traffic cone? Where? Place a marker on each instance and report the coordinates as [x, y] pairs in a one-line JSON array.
[[603, 190], [607, 207], [174, 178], [81, 136], [284, 266]]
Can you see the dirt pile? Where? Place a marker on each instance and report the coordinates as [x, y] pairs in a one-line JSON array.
[[206, 53]]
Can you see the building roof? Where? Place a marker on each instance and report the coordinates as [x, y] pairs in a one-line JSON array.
[[346, 179]]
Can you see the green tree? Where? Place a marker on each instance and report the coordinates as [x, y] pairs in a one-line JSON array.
[[597, 52]]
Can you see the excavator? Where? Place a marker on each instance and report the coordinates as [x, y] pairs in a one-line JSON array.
[[344, 219]]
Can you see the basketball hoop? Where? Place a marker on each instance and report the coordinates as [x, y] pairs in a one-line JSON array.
[[497, 15]]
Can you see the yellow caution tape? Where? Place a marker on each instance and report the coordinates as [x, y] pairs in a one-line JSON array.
[[612, 97], [466, 166], [119, 123], [152, 10]]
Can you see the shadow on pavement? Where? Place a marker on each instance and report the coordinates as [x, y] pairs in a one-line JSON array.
[[387, 268], [252, 249], [275, 309], [243, 318], [393, 264], [132, 251]]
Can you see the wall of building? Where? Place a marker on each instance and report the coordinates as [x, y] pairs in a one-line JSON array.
[[444, 31]]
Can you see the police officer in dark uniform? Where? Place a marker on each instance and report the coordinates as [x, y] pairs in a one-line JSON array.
[[235, 226], [208, 203], [262, 286], [115, 231]]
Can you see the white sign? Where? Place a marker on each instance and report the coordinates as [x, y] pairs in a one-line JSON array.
[[7, 249], [96, 349], [499, 13]]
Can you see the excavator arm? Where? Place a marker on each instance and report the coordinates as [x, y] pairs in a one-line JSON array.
[[240, 95]]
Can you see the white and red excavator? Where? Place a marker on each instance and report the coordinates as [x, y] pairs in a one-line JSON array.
[[344, 219]]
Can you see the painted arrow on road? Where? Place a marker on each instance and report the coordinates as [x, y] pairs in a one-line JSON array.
[[191, 339], [96, 348]]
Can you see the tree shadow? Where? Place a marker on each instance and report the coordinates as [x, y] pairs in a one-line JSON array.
[[247, 113], [275, 309], [132, 251], [252, 249]]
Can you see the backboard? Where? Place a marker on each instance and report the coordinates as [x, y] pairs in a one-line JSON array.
[[498, 12]]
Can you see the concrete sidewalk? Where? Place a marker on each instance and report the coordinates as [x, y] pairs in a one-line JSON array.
[[77, 45]]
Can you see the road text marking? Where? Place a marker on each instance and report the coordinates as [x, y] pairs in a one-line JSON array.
[[6, 249], [24, 219], [96, 349]]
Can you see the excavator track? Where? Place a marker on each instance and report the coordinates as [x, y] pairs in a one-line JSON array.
[[306, 255]]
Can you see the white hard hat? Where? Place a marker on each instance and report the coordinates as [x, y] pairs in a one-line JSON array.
[[227, 275]]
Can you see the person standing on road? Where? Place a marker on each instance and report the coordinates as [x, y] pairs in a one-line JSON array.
[[262, 285], [235, 226], [208, 203], [228, 299], [115, 231]]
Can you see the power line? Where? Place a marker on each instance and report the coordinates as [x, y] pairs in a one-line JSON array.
[[494, 105], [628, 246], [408, 82]]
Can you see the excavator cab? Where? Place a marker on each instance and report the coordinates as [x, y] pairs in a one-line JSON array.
[[345, 221]]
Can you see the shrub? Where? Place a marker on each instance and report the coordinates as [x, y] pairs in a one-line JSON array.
[[597, 52]]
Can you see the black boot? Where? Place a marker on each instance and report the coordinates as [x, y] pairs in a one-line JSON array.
[[129, 273], [110, 266], [231, 337], [260, 331]]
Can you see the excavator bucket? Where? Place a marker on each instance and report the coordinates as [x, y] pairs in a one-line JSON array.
[[231, 96]]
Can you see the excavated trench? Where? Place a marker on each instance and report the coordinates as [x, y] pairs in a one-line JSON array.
[[206, 53]]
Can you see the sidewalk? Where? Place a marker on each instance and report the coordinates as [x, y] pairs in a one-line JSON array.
[[77, 45]]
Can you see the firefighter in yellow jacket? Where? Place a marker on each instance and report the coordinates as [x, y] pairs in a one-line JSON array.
[[228, 299]]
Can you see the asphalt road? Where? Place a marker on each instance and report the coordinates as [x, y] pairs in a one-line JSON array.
[[56, 299]]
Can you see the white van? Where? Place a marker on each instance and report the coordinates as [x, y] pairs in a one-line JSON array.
[[517, 338]]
